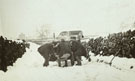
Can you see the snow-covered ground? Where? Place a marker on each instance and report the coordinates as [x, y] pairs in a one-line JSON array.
[[29, 68]]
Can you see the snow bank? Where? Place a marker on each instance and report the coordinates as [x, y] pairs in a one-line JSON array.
[[120, 63]]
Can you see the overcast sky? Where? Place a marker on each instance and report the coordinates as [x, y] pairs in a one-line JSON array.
[[90, 16]]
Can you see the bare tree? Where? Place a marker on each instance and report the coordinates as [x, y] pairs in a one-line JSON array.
[[43, 31], [129, 23], [134, 24]]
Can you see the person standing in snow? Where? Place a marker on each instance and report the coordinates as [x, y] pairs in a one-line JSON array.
[[63, 52], [78, 50], [46, 51]]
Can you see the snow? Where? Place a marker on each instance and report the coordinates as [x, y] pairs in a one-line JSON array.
[[29, 68]]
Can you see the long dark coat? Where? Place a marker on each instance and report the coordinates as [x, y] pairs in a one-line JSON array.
[[63, 48], [47, 52], [78, 49]]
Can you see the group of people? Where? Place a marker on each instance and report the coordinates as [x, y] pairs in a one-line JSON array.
[[120, 44], [9, 52], [63, 51]]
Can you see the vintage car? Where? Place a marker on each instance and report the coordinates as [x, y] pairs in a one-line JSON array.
[[70, 35]]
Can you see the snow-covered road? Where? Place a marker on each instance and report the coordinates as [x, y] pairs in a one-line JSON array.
[[29, 68]]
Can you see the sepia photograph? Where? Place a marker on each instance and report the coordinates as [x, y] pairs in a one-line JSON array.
[[67, 40]]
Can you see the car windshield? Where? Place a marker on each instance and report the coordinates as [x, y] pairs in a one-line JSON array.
[[63, 33], [74, 32]]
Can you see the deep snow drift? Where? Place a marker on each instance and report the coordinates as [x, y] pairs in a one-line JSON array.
[[29, 68]]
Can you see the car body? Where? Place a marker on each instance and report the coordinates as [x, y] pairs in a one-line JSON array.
[[70, 35]]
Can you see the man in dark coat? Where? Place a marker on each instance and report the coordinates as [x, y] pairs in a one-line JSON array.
[[46, 51], [78, 51], [64, 52]]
